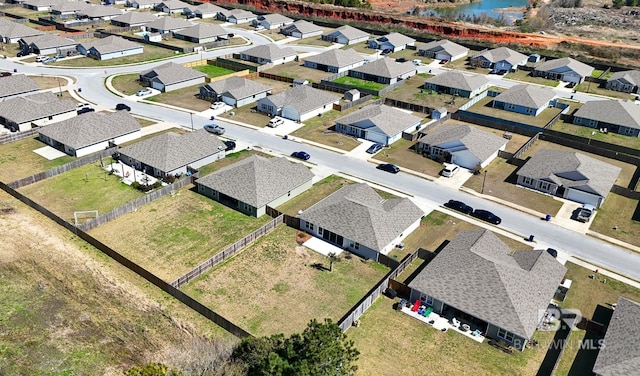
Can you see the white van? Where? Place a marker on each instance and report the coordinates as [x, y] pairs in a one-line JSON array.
[[417, 62], [450, 169], [275, 122]]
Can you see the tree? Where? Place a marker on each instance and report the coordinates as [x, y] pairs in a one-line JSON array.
[[152, 369], [321, 349]]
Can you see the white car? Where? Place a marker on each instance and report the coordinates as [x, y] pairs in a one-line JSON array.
[[450, 169], [41, 58], [144, 91], [217, 105], [276, 121]]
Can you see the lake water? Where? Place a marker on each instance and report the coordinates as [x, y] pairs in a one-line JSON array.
[[479, 7]]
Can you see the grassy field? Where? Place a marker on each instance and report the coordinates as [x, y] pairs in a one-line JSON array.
[[595, 134], [619, 218], [17, 159], [594, 88], [483, 106], [525, 76], [85, 188], [247, 114], [359, 83], [213, 71], [361, 47], [412, 92], [48, 82], [284, 285], [401, 153], [186, 97], [151, 53], [295, 69], [320, 190], [228, 160], [172, 235], [313, 41], [317, 129], [127, 83]]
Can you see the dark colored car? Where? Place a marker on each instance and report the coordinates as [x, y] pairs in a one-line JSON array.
[[5, 74], [122, 106], [230, 145], [552, 252], [388, 167], [84, 110], [486, 216], [22, 53], [385, 52], [459, 206], [401, 60], [301, 155], [374, 148]]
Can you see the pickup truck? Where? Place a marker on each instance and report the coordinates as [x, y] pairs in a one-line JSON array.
[[585, 213]]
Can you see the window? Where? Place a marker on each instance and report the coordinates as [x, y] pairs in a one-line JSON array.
[[507, 336], [592, 123], [545, 186], [527, 181], [510, 106], [356, 245], [320, 230], [530, 110], [308, 226]]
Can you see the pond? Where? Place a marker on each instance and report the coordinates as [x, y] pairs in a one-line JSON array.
[[493, 8]]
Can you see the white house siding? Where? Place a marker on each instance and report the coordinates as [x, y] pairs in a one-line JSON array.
[[583, 197], [117, 54], [205, 15], [289, 195], [291, 113], [265, 105], [389, 247], [284, 60], [102, 145], [180, 85], [46, 121], [493, 156], [297, 34], [316, 112], [244, 101], [464, 158]]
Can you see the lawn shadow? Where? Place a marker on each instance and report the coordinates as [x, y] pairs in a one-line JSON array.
[[636, 213], [586, 357], [425, 263]]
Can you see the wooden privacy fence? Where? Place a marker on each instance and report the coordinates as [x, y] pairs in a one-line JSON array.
[[5, 139], [228, 252], [62, 169], [276, 77]]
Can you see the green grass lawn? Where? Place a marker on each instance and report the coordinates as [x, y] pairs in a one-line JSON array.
[[483, 106], [247, 114], [617, 218], [186, 97], [320, 190], [317, 129], [127, 83], [229, 159], [594, 88], [595, 134], [361, 47], [213, 71], [358, 83], [17, 159], [525, 76]]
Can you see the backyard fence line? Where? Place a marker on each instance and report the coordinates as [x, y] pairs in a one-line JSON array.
[[276, 77], [526, 146], [227, 252], [135, 204], [137, 269], [5, 139], [348, 105], [62, 169]]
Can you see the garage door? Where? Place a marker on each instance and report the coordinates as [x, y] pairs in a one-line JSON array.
[[157, 85], [582, 197]]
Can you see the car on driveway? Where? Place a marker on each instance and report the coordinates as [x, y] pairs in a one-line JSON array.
[[374, 148], [41, 58], [459, 206], [144, 91], [388, 167], [552, 252], [84, 110], [230, 145], [301, 155], [276, 121], [486, 216], [5, 74], [444, 61], [585, 213], [214, 128], [122, 106], [217, 105], [386, 51]]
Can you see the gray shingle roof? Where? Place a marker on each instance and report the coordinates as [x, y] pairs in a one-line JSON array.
[[202, 31], [170, 151], [275, 18], [269, 51], [111, 44], [171, 73], [12, 30], [67, 6], [46, 41], [476, 274], [302, 26], [238, 87], [531, 96], [358, 213], [135, 18], [479, 143], [387, 68], [449, 47], [564, 63], [459, 80], [208, 8], [174, 4], [611, 111], [571, 169], [336, 58], [35, 106], [238, 14], [16, 85], [386, 119], [91, 128], [621, 352], [303, 98], [96, 11], [396, 39], [257, 180], [349, 32], [630, 76], [169, 23], [504, 53]]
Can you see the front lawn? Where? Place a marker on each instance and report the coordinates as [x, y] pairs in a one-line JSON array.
[[358, 83], [247, 114], [401, 153], [361, 47], [594, 88], [484, 107], [127, 84], [619, 218], [151, 53], [595, 134], [187, 97], [317, 129], [18, 159], [525, 76]]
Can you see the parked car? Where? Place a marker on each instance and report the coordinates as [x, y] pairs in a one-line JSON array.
[[84, 110], [449, 170], [5, 74], [417, 62], [60, 56], [459, 206], [486, 216], [214, 128], [122, 106], [401, 60], [552, 252], [374, 148], [217, 105], [444, 61], [275, 122], [22, 53], [301, 155], [585, 213], [49, 60], [388, 167], [230, 145], [41, 58], [84, 104], [144, 91], [386, 51]]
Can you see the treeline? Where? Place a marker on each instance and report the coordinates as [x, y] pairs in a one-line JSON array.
[[344, 3]]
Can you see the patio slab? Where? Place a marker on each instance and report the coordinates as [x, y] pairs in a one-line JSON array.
[[49, 152], [322, 247]]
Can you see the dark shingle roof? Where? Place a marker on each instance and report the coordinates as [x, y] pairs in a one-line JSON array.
[[620, 354], [531, 96], [358, 213], [388, 120], [238, 87], [257, 180], [49, 41], [269, 51], [169, 23], [396, 39], [91, 128], [336, 58], [170, 151], [10, 29], [303, 98], [445, 45], [171, 73], [17, 84], [459, 80], [34, 107], [476, 274], [565, 63], [479, 143], [95, 11], [571, 169], [611, 111], [387, 68]]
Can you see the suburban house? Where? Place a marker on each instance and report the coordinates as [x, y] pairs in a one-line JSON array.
[[335, 60], [525, 99], [170, 153], [301, 29], [110, 47], [12, 32], [392, 41], [171, 6], [565, 69], [202, 33], [67, 8], [346, 35], [298, 103], [443, 50], [269, 53], [478, 278], [36, 110], [465, 85], [625, 81], [91, 132], [142, 4], [234, 91], [17, 84], [98, 12], [39, 5], [464, 145], [378, 123], [272, 21], [499, 59], [611, 115], [206, 10], [236, 16], [569, 175], [357, 219], [48, 44], [254, 183], [384, 71], [165, 25], [620, 353], [133, 19], [171, 76]]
